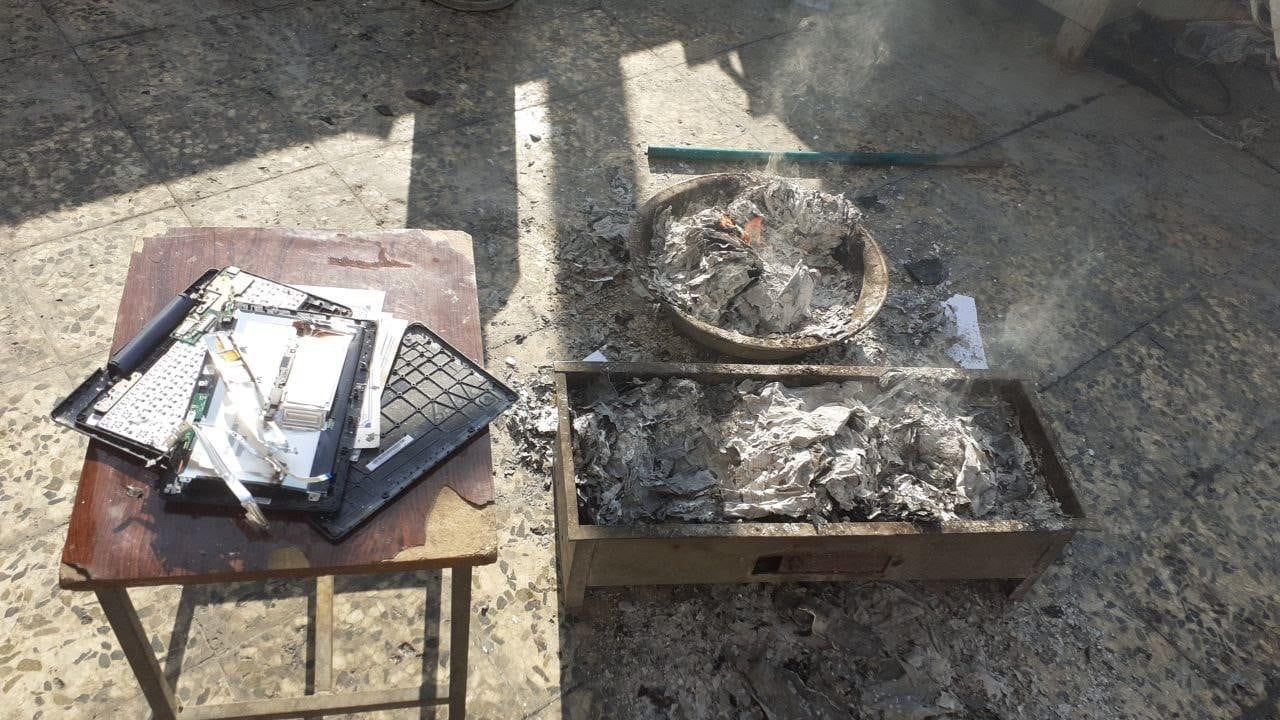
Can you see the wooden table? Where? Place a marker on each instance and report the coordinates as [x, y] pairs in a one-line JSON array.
[[119, 538]]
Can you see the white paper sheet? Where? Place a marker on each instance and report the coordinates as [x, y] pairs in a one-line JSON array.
[[968, 351], [365, 304], [386, 345]]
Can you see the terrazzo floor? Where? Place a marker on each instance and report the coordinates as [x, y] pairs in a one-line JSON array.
[[1122, 258]]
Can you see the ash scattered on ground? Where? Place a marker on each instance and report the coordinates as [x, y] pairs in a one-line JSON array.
[[531, 424], [594, 255], [841, 651], [910, 449]]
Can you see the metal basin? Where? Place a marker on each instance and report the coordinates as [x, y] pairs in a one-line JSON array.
[[719, 189]]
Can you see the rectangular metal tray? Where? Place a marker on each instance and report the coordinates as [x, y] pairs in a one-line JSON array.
[[1013, 551]]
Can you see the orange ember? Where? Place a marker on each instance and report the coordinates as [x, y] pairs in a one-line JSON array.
[[753, 230]]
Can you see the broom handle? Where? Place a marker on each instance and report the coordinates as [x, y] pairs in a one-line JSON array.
[[667, 152]]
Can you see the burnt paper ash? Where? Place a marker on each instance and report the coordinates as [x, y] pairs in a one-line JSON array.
[[532, 423], [774, 260], [909, 449], [597, 254], [643, 456]]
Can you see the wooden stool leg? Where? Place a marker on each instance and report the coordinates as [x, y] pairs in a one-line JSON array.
[[459, 640], [324, 634], [123, 619], [1073, 41]]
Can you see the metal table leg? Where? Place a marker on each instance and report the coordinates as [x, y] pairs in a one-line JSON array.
[[123, 619], [459, 640]]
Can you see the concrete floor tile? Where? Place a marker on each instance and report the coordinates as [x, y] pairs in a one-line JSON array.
[[62, 636], [518, 624], [211, 145], [313, 198], [73, 182], [332, 73], [40, 469], [89, 20], [29, 29], [876, 103], [173, 65], [459, 180], [74, 283], [690, 32], [1121, 256], [47, 94], [24, 346]]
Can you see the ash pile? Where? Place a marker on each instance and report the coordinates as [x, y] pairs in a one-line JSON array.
[[777, 259], [910, 449]]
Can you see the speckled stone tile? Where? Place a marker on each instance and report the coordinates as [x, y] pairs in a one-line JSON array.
[[331, 66], [524, 10], [877, 103], [617, 126], [584, 156], [388, 632], [69, 688], [1167, 408], [1146, 672], [74, 283], [1218, 339], [690, 32], [208, 146], [518, 618], [173, 65], [88, 20], [73, 182], [46, 94], [1219, 187], [1012, 70], [1162, 439], [39, 471], [428, 49], [338, 69], [315, 198], [65, 661], [24, 345], [258, 633], [1102, 221], [572, 53], [28, 29], [458, 180], [1203, 577]]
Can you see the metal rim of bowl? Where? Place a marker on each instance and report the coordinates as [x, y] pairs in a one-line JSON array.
[[871, 296]]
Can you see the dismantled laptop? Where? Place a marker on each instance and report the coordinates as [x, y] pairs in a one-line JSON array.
[[243, 391]]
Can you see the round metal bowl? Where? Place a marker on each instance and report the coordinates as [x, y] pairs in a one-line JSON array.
[[719, 189]]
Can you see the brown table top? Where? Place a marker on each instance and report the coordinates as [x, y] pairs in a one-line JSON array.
[[445, 520]]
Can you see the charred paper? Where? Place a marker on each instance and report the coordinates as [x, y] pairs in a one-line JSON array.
[[910, 448], [774, 260]]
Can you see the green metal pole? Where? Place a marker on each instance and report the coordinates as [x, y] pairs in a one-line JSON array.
[[708, 154]]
